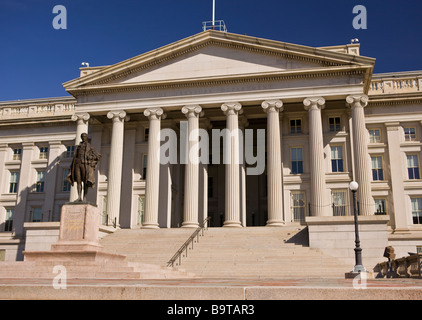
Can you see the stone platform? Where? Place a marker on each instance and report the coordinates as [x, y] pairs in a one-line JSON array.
[[214, 289], [78, 255]]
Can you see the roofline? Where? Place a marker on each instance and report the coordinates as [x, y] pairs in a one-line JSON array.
[[192, 41]]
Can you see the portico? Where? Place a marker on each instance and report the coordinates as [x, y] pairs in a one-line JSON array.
[[224, 79]]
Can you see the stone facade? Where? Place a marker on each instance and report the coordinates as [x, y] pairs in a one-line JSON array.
[[328, 120]]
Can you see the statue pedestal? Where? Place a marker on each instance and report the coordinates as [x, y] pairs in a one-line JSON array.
[[78, 236], [79, 228]]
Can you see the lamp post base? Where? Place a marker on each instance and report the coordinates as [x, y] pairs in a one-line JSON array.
[[359, 275]]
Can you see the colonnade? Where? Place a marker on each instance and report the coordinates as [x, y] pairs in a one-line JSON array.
[[233, 185]]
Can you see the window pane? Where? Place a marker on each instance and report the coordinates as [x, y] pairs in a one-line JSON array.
[[36, 214]]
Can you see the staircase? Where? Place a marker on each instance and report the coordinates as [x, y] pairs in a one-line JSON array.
[[257, 252]]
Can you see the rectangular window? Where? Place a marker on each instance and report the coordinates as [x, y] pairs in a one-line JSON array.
[[43, 152], [296, 126], [146, 134], [380, 206], [417, 210], [409, 134], [337, 159], [104, 215], [141, 209], [14, 179], [17, 154], [2, 254], [297, 160], [334, 123], [374, 136], [413, 166], [39, 187], [8, 223], [66, 185], [70, 151], [339, 203], [36, 215], [377, 171], [144, 166], [298, 205]]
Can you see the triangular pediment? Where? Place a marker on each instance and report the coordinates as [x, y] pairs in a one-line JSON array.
[[215, 55], [216, 61]]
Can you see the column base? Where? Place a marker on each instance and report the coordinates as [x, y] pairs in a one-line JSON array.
[[275, 223], [150, 226], [190, 224], [232, 224]]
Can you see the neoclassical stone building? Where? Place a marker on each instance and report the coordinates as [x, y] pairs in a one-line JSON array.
[[328, 120]]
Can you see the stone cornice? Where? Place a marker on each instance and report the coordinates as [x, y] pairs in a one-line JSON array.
[[394, 99], [222, 81], [196, 42]]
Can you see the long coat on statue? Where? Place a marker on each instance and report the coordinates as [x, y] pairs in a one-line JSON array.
[[90, 161]]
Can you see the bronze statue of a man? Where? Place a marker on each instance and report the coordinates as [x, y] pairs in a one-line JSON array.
[[83, 166]]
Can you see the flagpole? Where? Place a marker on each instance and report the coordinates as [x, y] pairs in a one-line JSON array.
[[213, 14]]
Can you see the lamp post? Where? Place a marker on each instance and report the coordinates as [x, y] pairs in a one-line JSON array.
[[358, 250]]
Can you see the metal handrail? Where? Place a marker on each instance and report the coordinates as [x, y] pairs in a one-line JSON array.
[[185, 246]]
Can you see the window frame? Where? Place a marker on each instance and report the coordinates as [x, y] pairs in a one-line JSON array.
[[43, 152], [14, 184], [296, 127], [413, 176], [385, 206], [377, 173], [300, 217], [16, 156], [40, 183], [377, 137], [335, 127], [297, 162], [342, 208], [409, 136], [337, 160], [418, 211]]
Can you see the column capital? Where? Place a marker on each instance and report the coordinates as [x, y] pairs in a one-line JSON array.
[[359, 100], [192, 111], [232, 108], [117, 115], [84, 116], [272, 106], [155, 114], [313, 103]]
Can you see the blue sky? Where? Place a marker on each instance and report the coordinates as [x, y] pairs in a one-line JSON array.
[[35, 59]]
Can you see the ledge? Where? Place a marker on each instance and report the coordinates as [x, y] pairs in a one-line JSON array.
[[41, 225], [375, 219]]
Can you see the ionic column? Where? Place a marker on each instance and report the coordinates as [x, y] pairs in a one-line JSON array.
[[316, 145], [81, 127], [362, 159], [153, 168], [232, 201], [114, 179], [190, 212], [274, 172]]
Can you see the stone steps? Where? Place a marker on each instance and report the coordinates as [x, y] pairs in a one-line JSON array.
[[261, 252]]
